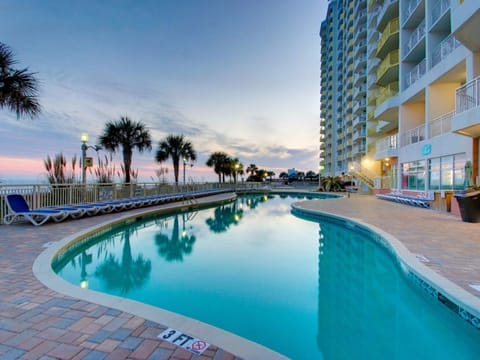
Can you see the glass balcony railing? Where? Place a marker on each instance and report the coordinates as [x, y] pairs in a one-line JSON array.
[[440, 125], [414, 136], [416, 73], [387, 92], [439, 9], [409, 9], [390, 60], [417, 35], [449, 44], [391, 29], [386, 144]]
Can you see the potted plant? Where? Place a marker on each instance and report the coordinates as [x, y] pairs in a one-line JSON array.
[[469, 199]]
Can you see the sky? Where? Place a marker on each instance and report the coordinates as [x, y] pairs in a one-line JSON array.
[[239, 76]]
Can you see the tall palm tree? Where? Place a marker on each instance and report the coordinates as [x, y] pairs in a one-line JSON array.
[[175, 147], [219, 161], [18, 88], [128, 135], [252, 169], [237, 168]]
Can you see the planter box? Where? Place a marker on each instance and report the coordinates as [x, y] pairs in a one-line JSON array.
[[469, 203]]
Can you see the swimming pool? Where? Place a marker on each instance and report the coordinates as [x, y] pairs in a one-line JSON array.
[[306, 289]]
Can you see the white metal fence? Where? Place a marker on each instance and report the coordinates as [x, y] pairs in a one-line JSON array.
[[41, 195], [468, 96]]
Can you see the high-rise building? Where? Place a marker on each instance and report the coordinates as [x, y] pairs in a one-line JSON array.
[[343, 86], [415, 105]]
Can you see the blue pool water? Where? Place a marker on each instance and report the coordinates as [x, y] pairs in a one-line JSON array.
[[307, 289]]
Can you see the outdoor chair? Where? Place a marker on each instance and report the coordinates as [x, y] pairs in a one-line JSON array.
[[19, 209]]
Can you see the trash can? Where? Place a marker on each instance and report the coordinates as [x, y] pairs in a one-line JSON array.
[[469, 204]]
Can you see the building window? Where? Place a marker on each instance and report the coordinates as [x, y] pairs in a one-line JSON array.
[[413, 175], [447, 172]]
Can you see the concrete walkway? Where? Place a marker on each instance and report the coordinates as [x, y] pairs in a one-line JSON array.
[[39, 323]]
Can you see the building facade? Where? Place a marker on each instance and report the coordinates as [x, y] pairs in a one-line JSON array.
[[422, 100]]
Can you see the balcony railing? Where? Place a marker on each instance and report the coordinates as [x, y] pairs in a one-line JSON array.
[[415, 37], [449, 44], [387, 143], [416, 73], [409, 9], [413, 136], [387, 92], [468, 96], [391, 29], [439, 9], [440, 125], [390, 61]]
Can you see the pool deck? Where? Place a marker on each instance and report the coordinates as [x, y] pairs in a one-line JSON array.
[[37, 322]]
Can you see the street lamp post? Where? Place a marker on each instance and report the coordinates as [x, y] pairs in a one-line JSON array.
[[84, 140], [184, 163]]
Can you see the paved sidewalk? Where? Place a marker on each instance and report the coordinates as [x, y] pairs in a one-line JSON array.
[[38, 323]]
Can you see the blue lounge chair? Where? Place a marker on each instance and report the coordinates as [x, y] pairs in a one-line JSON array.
[[19, 209]]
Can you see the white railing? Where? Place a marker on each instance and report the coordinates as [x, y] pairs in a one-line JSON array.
[[468, 96], [409, 9], [42, 195], [415, 37], [416, 73], [441, 125], [413, 136], [443, 49], [387, 143], [439, 9]]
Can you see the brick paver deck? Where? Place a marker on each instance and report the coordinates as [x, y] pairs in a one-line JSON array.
[[38, 323]]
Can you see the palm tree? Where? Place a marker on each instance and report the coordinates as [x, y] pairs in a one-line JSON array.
[[252, 168], [175, 147], [128, 135], [219, 161], [237, 168], [18, 88]]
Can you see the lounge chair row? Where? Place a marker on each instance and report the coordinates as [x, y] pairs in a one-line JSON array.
[[18, 208], [406, 199]]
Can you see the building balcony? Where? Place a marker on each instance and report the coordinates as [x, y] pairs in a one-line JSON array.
[[441, 125], [389, 39], [388, 11], [416, 73], [467, 110], [444, 49], [411, 46], [413, 136], [359, 106], [359, 135], [359, 93], [386, 147], [386, 92], [414, 11], [465, 23], [387, 71], [359, 121], [439, 18]]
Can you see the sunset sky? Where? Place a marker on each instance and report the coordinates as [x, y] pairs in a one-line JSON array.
[[240, 76]]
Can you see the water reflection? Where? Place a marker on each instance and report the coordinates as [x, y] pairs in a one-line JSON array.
[[367, 307], [175, 246], [224, 216], [127, 273]]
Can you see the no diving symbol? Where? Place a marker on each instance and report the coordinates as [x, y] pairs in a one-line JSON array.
[[198, 345]]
